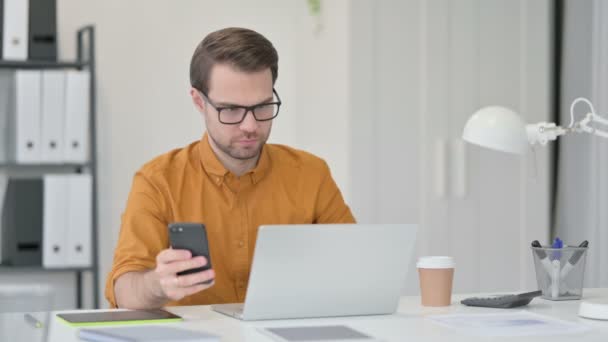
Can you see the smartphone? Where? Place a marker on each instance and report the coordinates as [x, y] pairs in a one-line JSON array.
[[192, 237]]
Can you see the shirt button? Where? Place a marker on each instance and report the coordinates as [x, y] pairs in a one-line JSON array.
[[241, 244]]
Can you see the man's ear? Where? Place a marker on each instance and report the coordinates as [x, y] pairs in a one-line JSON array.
[[197, 100]]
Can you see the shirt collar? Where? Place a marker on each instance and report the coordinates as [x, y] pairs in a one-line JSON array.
[[212, 165], [209, 160], [260, 170]]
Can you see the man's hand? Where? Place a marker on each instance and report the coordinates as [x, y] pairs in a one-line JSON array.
[[169, 262]]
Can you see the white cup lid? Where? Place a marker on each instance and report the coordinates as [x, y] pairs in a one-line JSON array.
[[435, 262]]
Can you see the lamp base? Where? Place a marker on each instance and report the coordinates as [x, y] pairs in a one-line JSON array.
[[594, 309]]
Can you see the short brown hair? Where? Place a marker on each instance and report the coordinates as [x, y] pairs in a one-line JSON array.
[[244, 49]]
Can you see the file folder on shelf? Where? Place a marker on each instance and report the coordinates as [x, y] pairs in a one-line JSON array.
[[24, 109], [67, 221], [6, 92], [77, 93], [42, 43], [1, 28], [15, 29], [22, 222], [54, 221], [79, 222], [52, 115], [3, 188], [20, 116]]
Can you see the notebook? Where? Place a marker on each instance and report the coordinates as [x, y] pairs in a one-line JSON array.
[[117, 317], [145, 333]]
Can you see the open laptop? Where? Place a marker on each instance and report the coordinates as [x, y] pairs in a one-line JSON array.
[[324, 270]]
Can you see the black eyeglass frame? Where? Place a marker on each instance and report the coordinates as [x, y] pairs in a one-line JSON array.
[[247, 108]]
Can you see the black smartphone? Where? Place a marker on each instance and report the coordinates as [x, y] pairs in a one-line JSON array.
[[193, 237]]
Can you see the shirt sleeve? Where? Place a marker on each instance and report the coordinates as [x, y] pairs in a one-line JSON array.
[[143, 233], [330, 206]]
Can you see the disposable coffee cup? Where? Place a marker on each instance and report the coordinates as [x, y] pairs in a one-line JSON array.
[[436, 274]]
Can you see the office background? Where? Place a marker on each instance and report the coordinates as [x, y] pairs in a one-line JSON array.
[[582, 187], [381, 90]]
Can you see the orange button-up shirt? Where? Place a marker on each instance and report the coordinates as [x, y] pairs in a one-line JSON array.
[[287, 186]]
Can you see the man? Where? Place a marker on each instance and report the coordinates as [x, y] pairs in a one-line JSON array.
[[230, 180]]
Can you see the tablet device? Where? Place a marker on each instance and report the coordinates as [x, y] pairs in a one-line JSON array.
[[117, 317]]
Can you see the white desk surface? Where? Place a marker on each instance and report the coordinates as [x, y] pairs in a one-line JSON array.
[[409, 323]]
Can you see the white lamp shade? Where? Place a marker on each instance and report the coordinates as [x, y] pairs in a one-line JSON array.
[[497, 128]]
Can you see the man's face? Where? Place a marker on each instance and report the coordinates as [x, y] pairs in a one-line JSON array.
[[230, 87]]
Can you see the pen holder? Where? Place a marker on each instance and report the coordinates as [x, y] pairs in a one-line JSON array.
[[560, 271]]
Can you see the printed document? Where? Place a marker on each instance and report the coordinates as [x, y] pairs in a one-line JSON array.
[[521, 323]]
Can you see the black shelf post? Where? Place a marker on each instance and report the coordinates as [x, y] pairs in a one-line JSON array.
[[88, 61]]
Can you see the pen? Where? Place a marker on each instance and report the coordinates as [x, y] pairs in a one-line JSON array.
[[555, 274], [542, 256], [573, 259], [557, 244], [31, 320]]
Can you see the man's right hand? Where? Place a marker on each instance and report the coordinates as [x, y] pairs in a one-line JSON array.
[[169, 262]]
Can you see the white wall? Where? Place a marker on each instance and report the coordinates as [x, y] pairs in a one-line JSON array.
[[420, 69], [582, 189], [322, 75]]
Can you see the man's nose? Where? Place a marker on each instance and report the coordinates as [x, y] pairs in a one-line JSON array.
[[249, 123]]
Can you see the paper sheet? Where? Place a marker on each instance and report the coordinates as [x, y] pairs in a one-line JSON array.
[[521, 323], [333, 333]]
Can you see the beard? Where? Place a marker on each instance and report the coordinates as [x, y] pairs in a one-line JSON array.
[[235, 151]]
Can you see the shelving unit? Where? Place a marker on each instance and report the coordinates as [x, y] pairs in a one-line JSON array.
[[85, 60]]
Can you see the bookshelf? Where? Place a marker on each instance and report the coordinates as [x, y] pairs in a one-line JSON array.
[[85, 60]]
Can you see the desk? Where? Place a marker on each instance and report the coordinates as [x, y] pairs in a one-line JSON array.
[[408, 323]]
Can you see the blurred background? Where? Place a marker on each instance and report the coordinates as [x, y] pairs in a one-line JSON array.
[[381, 90]]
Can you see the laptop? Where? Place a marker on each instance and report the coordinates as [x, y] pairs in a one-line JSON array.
[[326, 270]]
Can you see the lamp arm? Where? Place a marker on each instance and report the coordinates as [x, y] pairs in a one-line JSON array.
[[583, 125], [543, 132], [577, 100]]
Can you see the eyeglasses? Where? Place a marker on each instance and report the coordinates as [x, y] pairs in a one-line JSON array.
[[232, 115]]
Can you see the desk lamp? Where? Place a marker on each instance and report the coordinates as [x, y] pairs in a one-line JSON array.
[[501, 129]]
